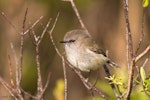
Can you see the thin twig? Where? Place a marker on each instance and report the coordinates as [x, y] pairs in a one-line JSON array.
[[77, 13], [62, 58], [128, 34], [9, 22], [39, 81], [142, 34], [13, 92], [38, 39], [14, 27], [39, 96], [65, 77], [47, 82], [33, 25], [28, 94], [16, 62], [44, 31], [130, 55], [88, 85], [10, 72], [146, 60], [143, 53], [63, 61], [21, 50], [7, 86]]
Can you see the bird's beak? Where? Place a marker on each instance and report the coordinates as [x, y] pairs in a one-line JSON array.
[[63, 41]]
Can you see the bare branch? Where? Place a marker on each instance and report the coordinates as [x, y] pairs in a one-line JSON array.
[[7, 86], [38, 39], [142, 54], [47, 82], [21, 50], [51, 31], [65, 77], [9, 22], [40, 95], [10, 72], [34, 24], [13, 92], [62, 58], [39, 81], [16, 62], [88, 85], [44, 31], [129, 46], [142, 35], [146, 60], [77, 13]]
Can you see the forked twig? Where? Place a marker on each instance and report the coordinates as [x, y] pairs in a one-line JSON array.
[[16, 91], [33, 25], [38, 39]]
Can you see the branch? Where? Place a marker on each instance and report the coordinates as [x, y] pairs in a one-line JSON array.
[[10, 72], [44, 31], [77, 13], [143, 53], [21, 52], [65, 77], [16, 62], [88, 85], [142, 34], [33, 25], [16, 91], [129, 46], [9, 22], [14, 27], [62, 58], [13, 92], [38, 39]]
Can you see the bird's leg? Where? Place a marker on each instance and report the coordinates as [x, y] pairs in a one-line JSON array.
[[96, 78], [88, 76]]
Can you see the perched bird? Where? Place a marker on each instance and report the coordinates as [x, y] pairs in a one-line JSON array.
[[83, 52]]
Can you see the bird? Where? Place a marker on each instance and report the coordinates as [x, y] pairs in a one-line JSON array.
[[83, 52]]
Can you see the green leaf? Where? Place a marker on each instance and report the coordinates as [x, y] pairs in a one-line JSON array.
[[142, 73], [147, 81], [145, 3]]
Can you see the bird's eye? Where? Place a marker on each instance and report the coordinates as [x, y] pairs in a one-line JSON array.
[[70, 41]]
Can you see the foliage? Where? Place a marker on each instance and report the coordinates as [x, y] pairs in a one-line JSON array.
[[145, 3]]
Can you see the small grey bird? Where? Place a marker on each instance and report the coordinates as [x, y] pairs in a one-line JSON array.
[[83, 52]]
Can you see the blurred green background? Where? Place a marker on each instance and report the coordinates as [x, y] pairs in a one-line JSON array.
[[103, 18]]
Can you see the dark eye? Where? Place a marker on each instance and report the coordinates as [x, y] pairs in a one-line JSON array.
[[70, 41]]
